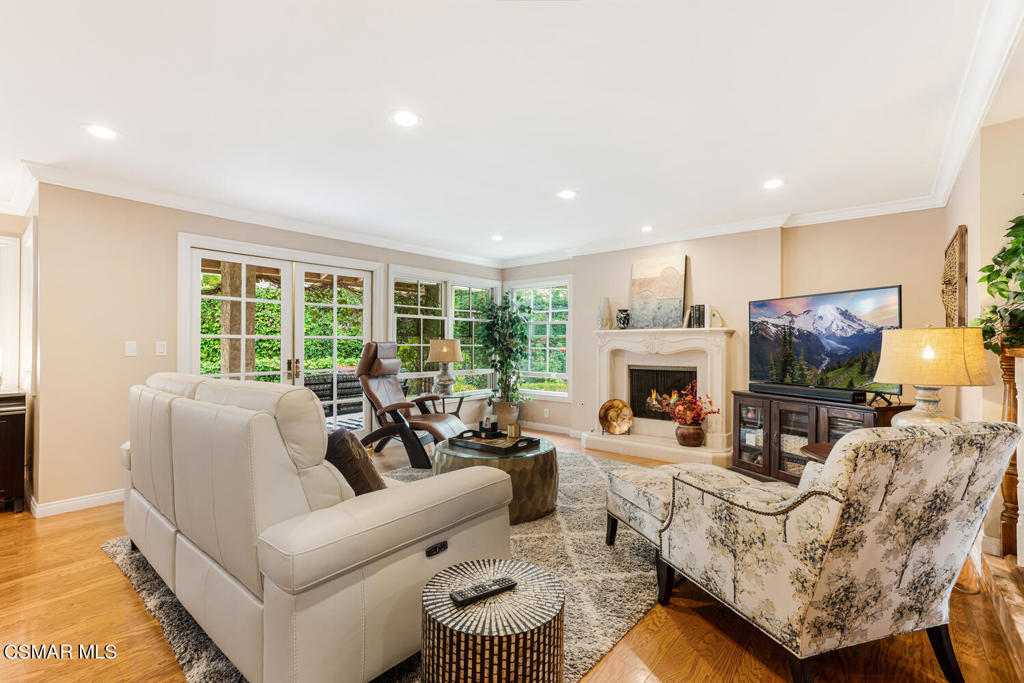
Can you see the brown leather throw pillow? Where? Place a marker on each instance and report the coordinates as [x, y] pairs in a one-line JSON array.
[[346, 453]]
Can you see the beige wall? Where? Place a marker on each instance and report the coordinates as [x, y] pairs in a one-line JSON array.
[[901, 249], [725, 272], [108, 273]]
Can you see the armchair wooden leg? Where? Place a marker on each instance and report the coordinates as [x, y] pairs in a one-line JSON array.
[[666, 579], [610, 529], [381, 444], [943, 647], [802, 670]]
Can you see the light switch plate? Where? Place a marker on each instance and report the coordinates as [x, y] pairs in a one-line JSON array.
[[161, 348], [131, 348]]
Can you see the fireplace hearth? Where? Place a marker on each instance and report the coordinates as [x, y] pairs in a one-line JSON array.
[[664, 380]]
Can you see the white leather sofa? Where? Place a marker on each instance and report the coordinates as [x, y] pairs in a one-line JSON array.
[[292, 575]]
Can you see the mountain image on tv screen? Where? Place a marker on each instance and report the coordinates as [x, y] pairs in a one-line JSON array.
[[831, 340]]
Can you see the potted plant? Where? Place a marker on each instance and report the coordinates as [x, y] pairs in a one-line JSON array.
[[505, 343], [688, 410], [1002, 324]]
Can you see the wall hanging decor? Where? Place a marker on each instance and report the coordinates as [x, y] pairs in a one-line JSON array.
[[954, 279]]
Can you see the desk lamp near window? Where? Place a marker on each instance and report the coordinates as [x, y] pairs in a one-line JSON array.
[[445, 352]]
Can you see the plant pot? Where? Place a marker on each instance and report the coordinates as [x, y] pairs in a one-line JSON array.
[[507, 413], [690, 435]]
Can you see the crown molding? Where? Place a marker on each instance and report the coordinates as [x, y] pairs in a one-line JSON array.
[[763, 223], [864, 211], [994, 43], [24, 190], [88, 182]]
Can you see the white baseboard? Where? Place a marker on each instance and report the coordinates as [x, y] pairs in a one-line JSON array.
[[545, 427], [990, 545], [575, 433], [59, 507]]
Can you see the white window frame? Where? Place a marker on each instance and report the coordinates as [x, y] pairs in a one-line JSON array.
[[540, 283], [448, 283]]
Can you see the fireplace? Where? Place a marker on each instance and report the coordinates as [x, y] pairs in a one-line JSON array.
[[662, 379]]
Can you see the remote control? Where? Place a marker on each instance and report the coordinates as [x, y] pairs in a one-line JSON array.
[[467, 596]]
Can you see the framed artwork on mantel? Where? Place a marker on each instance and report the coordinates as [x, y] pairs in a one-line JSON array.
[[657, 290]]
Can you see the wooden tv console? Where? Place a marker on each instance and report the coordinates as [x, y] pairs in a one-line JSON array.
[[769, 430]]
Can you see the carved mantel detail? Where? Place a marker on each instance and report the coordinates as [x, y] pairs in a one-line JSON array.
[[713, 342]]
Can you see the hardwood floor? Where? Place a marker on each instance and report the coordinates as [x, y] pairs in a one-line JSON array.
[[57, 586]]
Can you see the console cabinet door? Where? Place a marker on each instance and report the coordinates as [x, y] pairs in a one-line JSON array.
[[835, 423], [794, 425], [750, 426]]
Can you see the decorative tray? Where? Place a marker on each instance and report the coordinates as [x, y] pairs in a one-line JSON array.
[[493, 442]]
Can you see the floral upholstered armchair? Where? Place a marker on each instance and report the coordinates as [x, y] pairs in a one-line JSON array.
[[868, 546]]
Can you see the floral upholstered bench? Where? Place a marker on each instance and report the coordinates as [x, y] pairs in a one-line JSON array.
[[641, 497]]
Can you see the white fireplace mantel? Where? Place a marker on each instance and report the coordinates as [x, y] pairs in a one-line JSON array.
[[712, 346]]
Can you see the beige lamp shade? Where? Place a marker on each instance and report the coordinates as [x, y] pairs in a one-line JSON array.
[[933, 357], [445, 351]]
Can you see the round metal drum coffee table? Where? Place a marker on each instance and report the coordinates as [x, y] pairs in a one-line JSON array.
[[534, 473], [512, 636]]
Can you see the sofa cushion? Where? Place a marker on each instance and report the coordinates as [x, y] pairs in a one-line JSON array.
[[350, 457]]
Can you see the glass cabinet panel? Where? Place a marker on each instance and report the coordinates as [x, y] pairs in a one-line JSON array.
[[838, 426], [795, 431], [752, 422]]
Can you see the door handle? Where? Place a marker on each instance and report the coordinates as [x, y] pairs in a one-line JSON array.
[[288, 368]]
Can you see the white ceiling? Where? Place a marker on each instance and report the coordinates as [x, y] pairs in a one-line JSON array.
[[657, 111]]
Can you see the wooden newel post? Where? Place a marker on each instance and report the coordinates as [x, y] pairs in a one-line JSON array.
[[1008, 517]]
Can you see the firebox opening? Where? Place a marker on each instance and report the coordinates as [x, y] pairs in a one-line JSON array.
[[664, 380]]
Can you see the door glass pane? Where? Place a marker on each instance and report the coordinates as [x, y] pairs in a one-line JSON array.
[[751, 436], [318, 354], [265, 355], [350, 322], [263, 319], [221, 278], [350, 290], [319, 288], [432, 329], [263, 282], [348, 354], [319, 321], [794, 435]]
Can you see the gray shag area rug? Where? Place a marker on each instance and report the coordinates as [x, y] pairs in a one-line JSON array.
[[607, 589]]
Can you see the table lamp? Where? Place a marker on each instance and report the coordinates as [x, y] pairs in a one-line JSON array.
[[931, 358], [445, 352]]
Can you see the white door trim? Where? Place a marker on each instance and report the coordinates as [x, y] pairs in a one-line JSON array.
[[188, 241]]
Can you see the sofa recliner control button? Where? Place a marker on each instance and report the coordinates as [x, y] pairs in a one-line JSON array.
[[437, 548]]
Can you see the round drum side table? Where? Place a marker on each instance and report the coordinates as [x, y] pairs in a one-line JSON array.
[[513, 636]]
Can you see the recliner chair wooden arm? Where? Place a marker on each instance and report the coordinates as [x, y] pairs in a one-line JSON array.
[[401, 405]]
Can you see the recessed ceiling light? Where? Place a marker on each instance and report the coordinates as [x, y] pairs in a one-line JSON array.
[[101, 132], [774, 183], [406, 119], [566, 194], [497, 238], [646, 228]]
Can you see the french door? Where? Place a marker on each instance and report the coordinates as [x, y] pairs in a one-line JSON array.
[[274, 320]]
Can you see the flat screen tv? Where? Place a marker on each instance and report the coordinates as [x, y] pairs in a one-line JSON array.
[[823, 340]]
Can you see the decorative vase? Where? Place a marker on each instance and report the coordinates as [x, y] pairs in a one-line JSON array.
[[507, 413], [604, 314], [690, 435], [622, 318]]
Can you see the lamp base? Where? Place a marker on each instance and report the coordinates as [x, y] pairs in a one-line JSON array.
[[926, 410], [445, 382]]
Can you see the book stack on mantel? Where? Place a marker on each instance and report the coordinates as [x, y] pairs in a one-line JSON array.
[[697, 315]]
